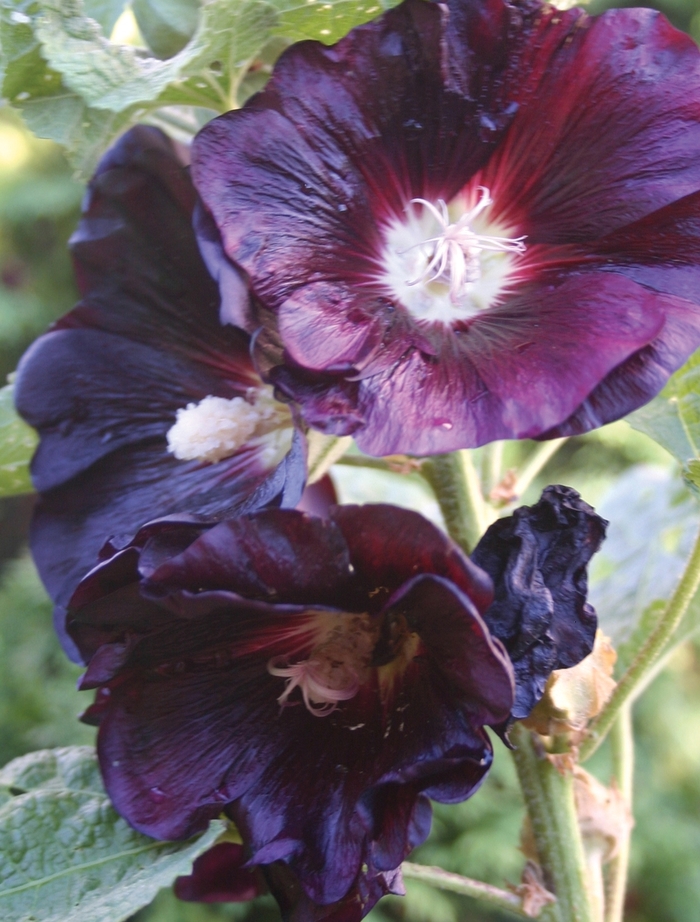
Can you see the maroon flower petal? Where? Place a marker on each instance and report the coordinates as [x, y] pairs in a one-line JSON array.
[[388, 546], [294, 557], [622, 140], [218, 876]]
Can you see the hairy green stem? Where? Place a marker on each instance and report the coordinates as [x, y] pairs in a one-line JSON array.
[[458, 491], [549, 797], [622, 745], [492, 463], [535, 463], [455, 883], [632, 680]]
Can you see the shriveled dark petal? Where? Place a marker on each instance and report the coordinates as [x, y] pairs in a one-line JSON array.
[[620, 143], [389, 546], [122, 491], [218, 876], [329, 402], [300, 181], [537, 559], [275, 555]]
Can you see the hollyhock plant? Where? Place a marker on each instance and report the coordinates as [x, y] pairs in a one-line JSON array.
[[465, 222], [317, 680], [145, 404]]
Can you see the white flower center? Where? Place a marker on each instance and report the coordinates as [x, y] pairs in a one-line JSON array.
[[216, 428], [336, 668], [445, 270]]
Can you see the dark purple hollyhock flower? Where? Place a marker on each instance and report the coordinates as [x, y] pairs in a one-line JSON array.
[[537, 559], [146, 405], [318, 680], [466, 222]]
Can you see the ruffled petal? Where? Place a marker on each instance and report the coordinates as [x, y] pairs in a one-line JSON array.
[[196, 714], [389, 545]]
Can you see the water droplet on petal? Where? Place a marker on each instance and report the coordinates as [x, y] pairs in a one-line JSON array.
[[442, 423], [157, 796], [342, 207]]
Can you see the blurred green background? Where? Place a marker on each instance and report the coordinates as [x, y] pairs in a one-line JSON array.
[[39, 202]]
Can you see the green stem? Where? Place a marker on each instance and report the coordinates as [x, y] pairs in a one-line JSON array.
[[622, 741], [455, 883], [640, 667], [457, 489], [492, 464], [535, 463], [549, 797], [394, 465]]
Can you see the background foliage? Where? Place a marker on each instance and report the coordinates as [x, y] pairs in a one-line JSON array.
[[619, 469]]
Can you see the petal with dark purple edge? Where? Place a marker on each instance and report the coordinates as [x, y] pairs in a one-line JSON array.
[[104, 387], [620, 143], [218, 876], [660, 252], [300, 181], [388, 546], [291, 557], [537, 559], [122, 491]]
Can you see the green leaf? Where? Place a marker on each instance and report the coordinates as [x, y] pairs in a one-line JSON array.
[[48, 107], [67, 855], [167, 25], [17, 444], [653, 523], [673, 418], [117, 77], [105, 12], [325, 21]]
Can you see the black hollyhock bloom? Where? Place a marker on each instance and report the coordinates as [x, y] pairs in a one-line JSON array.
[[146, 403], [318, 680], [537, 559], [466, 221]]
